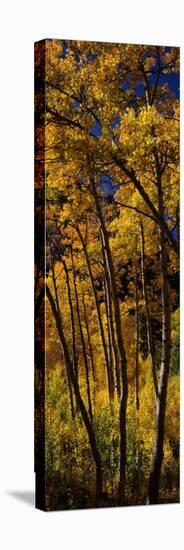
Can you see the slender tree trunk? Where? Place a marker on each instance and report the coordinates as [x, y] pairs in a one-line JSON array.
[[79, 400], [100, 323], [148, 318], [82, 341], [91, 357], [137, 402], [68, 375], [136, 340], [109, 335], [72, 321], [120, 343], [112, 339], [158, 454], [89, 341]]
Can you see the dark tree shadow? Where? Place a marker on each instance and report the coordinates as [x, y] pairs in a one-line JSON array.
[[26, 496]]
